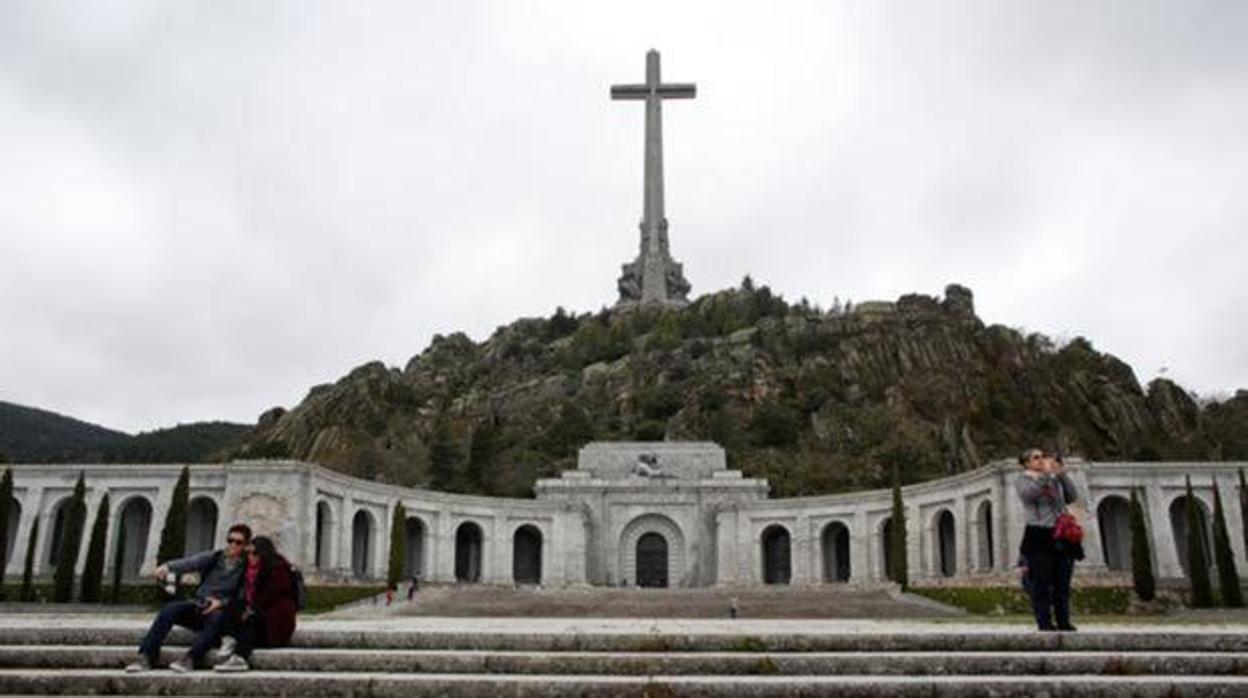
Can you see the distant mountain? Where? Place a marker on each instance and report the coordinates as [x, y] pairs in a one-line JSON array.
[[817, 401], [31, 435]]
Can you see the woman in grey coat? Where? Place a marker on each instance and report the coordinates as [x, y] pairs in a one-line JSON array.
[[1045, 489]]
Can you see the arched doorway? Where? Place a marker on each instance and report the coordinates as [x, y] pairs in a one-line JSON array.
[[361, 545], [984, 536], [946, 544], [414, 536], [652, 560], [777, 562], [15, 520], [133, 527], [526, 555], [835, 546], [468, 553], [201, 525], [324, 525], [1113, 517], [1178, 526]]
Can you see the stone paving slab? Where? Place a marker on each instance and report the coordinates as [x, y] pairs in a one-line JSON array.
[[669, 663], [96, 682]]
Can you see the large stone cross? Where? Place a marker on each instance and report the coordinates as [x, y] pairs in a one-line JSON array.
[[654, 277]]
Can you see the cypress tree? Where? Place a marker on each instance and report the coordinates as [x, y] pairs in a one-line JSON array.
[[93, 570], [1197, 563], [1243, 506], [6, 501], [398, 546], [119, 560], [71, 541], [1141, 553], [173, 535], [1228, 576], [28, 573], [897, 533]]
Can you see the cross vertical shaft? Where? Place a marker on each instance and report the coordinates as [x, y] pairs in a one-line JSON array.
[[653, 276]]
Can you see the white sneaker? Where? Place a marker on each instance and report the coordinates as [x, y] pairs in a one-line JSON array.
[[226, 650], [139, 665], [233, 664], [182, 666]]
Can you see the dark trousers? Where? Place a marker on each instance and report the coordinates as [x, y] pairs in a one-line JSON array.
[[188, 615], [1050, 573], [248, 632]]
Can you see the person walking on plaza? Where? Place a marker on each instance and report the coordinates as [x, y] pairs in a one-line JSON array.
[[1045, 490], [266, 616], [221, 574]]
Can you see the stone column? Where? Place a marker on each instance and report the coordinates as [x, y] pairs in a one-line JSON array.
[[965, 535], [802, 551], [726, 548], [1164, 551], [860, 548], [346, 536]]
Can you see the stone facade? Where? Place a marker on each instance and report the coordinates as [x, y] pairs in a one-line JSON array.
[[631, 513]]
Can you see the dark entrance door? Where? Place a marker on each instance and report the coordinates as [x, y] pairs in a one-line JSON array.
[[776, 563], [652, 561]]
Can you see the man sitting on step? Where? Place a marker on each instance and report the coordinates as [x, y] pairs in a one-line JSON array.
[[221, 575]]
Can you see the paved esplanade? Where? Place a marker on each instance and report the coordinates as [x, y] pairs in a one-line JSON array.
[[654, 277]]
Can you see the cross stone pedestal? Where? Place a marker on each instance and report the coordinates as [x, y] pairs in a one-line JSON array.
[[653, 278]]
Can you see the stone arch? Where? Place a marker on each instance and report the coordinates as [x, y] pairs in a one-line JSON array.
[[1113, 518], [57, 517], [201, 525], [526, 555], [468, 544], [672, 536], [834, 543], [986, 558], [414, 530], [362, 527], [15, 520], [134, 526], [1178, 527], [777, 554], [652, 558], [324, 535], [946, 539]]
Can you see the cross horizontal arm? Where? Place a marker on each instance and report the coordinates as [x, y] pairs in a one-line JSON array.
[[681, 90]]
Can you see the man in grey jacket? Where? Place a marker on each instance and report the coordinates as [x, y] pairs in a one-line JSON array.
[[220, 582]]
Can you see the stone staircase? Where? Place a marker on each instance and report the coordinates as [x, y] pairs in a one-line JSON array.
[[594, 657]]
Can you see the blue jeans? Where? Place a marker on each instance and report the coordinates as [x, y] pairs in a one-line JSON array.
[[188, 615]]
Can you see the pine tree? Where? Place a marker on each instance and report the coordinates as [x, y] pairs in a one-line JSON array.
[[93, 570], [28, 573], [398, 546], [481, 457], [897, 532], [1197, 562], [6, 501], [173, 535], [71, 541], [443, 457], [1141, 553], [1228, 576]]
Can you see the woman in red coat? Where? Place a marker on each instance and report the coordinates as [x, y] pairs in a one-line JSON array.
[[267, 616]]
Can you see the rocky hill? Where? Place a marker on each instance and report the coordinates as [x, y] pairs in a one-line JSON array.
[[816, 401]]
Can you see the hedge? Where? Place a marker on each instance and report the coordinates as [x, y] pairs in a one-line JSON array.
[[1013, 601]]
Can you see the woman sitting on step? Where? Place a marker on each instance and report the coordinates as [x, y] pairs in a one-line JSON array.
[[266, 616]]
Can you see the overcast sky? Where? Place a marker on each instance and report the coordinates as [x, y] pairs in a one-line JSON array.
[[208, 207]]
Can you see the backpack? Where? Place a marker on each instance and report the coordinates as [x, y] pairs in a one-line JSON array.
[[298, 588]]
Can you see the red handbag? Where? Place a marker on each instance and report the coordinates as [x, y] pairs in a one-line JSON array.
[[1068, 529]]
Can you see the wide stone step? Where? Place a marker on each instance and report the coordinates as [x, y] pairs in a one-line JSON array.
[[383, 685], [670, 663], [827, 639]]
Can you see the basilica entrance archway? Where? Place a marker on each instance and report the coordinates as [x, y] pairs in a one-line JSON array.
[[651, 553]]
